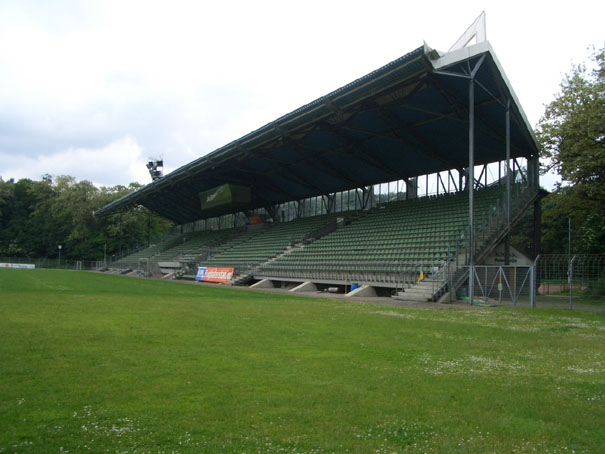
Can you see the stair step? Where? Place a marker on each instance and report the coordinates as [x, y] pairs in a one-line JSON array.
[[416, 297], [414, 291], [412, 298]]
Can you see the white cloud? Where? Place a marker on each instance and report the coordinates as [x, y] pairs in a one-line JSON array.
[[119, 162], [182, 78]]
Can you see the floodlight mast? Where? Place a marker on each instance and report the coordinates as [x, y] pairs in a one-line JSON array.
[[155, 168]]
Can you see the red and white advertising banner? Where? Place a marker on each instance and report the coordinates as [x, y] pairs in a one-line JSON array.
[[210, 274]]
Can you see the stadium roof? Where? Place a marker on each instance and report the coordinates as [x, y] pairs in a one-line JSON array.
[[408, 118]]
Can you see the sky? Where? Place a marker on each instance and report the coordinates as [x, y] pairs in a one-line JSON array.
[[93, 89]]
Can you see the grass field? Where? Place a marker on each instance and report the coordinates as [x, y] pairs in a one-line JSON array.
[[99, 363]]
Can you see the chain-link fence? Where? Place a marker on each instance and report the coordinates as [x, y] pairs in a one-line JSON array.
[[557, 281], [563, 278], [558, 273]]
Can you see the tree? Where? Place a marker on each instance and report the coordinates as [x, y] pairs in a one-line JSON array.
[[572, 136], [37, 216], [20, 233], [6, 194]]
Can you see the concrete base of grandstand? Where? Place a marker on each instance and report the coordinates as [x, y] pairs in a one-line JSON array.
[[112, 270], [307, 286], [421, 292], [264, 283], [364, 290], [169, 267], [361, 282], [324, 286]]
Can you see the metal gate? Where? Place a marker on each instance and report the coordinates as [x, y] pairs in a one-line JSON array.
[[504, 284]]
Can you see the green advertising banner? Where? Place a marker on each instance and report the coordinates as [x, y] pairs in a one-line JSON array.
[[225, 196]]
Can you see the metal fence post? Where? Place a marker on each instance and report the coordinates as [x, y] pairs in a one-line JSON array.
[[534, 270], [571, 281], [532, 286]]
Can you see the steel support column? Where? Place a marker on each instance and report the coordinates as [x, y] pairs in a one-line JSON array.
[[411, 188], [538, 226], [300, 208], [508, 187], [367, 197], [471, 187]]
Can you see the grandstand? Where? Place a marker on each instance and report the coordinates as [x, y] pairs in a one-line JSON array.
[[387, 240], [193, 246], [176, 250], [132, 261], [259, 247], [307, 201]]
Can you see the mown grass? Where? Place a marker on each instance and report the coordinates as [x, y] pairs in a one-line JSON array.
[[98, 363], [581, 301]]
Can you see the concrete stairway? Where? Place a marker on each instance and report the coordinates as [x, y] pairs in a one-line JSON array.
[[421, 292]]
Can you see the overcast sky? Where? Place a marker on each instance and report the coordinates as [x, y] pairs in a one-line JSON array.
[[94, 88]]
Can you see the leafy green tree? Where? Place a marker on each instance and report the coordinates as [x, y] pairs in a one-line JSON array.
[[37, 216], [6, 194], [522, 234], [555, 230], [136, 227], [572, 135], [20, 234]]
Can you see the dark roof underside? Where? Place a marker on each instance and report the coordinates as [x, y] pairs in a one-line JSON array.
[[400, 121]]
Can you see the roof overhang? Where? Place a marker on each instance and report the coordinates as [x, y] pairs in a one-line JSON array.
[[405, 119], [469, 53]]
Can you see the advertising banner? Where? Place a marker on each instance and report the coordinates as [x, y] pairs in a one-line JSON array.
[[211, 274], [21, 266], [226, 195]]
